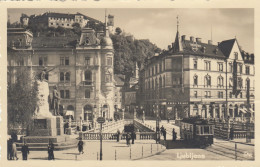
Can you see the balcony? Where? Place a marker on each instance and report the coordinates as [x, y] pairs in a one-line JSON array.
[[87, 83]]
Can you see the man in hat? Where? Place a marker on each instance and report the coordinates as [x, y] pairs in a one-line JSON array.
[[50, 150], [43, 73], [56, 101], [25, 151]]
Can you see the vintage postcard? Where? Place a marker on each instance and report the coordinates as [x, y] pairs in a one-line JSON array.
[[129, 83]]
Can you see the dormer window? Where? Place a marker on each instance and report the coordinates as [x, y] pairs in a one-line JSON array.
[[236, 55], [87, 40], [204, 49]]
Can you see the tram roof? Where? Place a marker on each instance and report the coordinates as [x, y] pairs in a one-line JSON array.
[[196, 121]]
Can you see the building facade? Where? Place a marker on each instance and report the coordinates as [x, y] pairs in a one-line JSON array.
[[193, 78], [64, 20], [83, 72]]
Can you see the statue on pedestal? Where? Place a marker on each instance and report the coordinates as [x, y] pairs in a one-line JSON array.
[[56, 101]]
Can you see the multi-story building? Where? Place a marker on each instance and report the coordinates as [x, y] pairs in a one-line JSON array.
[[64, 20], [83, 71], [195, 78]]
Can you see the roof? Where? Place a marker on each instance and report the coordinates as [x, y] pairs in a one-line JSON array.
[[54, 42], [226, 46]]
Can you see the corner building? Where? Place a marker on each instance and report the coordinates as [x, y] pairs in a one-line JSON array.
[[192, 78], [81, 67]]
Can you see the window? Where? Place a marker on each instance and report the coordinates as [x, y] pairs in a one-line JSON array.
[[230, 67], [68, 24], [51, 23], [207, 80], [220, 66], [109, 61], [195, 80], [88, 77], [62, 61], [61, 76], [195, 94], [240, 82], [230, 94], [236, 55], [220, 81], [87, 93], [57, 24], [62, 24], [67, 76], [220, 94], [230, 82], [240, 68], [43, 61], [160, 67], [67, 61], [195, 64], [156, 69], [207, 65], [247, 70], [87, 60], [67, 94], [207, 94], [61, 93]]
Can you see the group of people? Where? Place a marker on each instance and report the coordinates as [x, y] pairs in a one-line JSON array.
[[130, 136], [163, 132]]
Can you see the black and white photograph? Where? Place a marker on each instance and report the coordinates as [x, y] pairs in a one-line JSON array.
[[130, 84]]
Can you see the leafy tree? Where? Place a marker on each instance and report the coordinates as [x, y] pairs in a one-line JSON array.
[[95, 26], [118, 31], [76, 28], [22, 99], [128, 51]]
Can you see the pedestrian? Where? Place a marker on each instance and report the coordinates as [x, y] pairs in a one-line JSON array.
[[126, 138], [168, 119], [133, 136], [9, 149], [174, 135], [164, 134], [80, 146], [14, 151], [231, 136], [162, 129], [25, 151], [50, 151], [118, 135]]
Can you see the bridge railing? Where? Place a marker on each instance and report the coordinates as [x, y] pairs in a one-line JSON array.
[[113, 136]]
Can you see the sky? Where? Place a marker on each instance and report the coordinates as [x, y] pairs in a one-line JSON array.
[[160, 25]]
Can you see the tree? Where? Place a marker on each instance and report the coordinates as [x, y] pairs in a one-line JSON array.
[[118, 31], [76, 28], [97, 26], [128, 52], [22, 99]]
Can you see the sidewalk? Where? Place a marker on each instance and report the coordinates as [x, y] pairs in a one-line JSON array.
[[112, 150]]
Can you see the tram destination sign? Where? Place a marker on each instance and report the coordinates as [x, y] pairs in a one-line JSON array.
[[101, 120]]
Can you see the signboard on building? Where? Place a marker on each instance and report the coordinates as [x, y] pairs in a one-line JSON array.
[[101, 120]]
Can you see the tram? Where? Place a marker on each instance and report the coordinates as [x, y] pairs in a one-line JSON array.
[[197, 131]]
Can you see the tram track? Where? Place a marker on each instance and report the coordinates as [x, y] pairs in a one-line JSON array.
[[228, 151]]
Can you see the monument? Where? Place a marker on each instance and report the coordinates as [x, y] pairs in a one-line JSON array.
[[46, 126]]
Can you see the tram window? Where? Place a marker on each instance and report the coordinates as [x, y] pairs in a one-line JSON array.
[[197, 130], [206, 129]]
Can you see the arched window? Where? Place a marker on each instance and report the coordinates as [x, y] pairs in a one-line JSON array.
[[207, 81], [195, 80], [220, 81]]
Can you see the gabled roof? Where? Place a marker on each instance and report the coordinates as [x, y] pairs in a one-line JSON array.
[[226, 46]]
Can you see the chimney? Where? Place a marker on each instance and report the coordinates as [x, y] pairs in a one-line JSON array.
[[169, 47], [192, 39], [210, 42], [183, 37], [198, 40]]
